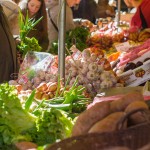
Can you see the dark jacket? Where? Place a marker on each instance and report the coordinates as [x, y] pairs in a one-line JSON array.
[[8, 56], [87, 9]]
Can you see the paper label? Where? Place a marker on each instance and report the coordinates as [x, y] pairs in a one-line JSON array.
[[23, 79], [123, 47], [137, 76], [76, 55]]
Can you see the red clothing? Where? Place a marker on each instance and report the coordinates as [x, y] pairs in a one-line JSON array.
[[145, 7]]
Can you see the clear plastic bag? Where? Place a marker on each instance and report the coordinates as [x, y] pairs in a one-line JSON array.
[[37, 67]]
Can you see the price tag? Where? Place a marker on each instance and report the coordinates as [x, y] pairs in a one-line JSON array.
[[123, 47], [23, 79], [76, 55]]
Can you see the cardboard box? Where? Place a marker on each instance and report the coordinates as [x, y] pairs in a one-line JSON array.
[[137, 76]]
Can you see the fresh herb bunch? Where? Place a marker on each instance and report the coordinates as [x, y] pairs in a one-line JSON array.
[[26, 25], [72, 101], [77, 36], [29, 44]]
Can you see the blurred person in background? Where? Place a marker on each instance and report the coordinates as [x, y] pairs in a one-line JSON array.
[[105, 10], [93, 9], [53, 10], [87, 9], [35, 9], [123, 6], [8, 54], [141, 17]]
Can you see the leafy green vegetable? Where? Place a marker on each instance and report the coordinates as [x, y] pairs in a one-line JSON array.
[[52, 125], [29, 100], [26, 25], [49, 122], [77, 36], [27, 44], [13, 118], [43, 126]]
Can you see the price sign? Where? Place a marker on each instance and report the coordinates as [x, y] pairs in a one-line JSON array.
[[123, 47], [76, 55]]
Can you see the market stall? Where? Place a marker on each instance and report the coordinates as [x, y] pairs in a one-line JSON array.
[[101, 99]]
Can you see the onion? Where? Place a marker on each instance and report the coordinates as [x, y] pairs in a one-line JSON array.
[[93, 57], [91, 75], [100, 68], [86, 54], [92, 66], [106, 84]]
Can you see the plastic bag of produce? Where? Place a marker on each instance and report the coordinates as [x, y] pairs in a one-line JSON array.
[[36, 68]]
